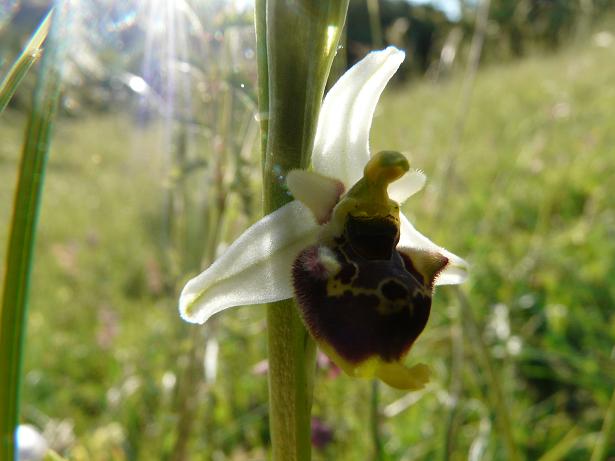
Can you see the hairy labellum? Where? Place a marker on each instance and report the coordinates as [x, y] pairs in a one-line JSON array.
[[364, 300], [361, 306]]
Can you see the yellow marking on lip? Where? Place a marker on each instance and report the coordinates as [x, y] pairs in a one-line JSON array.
[[336, 289]]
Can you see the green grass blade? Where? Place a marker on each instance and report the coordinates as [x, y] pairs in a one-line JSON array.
[[13, 316], [563, 447], [496, 392], [22, 64], [605, 438]]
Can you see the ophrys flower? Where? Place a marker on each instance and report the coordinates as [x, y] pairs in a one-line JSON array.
[[363, 276]]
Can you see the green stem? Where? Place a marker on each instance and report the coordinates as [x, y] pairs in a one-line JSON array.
[[292, 356], [607, 433], [24, 62], [448, 165], [302, 40], [260, 22], [497, 393], [296, 44], [453, 423], [373, 11], [190, 376], [19, 259], [375, 421]]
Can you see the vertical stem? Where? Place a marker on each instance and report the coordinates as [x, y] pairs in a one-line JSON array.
[[375, 420], [302, 38], [19, 258], [187, 387], [607, 433], [456, 386], [375, 27], [476, 49], [291, 374], [260, 22], [296, 41], [584, 24], [497, 394], [192, 372]]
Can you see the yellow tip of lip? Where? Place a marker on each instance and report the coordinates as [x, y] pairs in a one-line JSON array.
[[395, 374], [399, 376], [386, 167]]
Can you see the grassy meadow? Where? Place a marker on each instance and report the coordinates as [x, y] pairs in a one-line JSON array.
[[519, 183]]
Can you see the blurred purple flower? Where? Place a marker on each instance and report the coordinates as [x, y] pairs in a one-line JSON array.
[[322, 434]]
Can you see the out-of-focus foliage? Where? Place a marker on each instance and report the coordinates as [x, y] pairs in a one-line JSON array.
[[113, 42], [111, 37], [419, 29], [529, 204], [162, 141], [515, 27]]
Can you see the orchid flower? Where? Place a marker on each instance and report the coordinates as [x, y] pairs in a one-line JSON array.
[[362, 275]]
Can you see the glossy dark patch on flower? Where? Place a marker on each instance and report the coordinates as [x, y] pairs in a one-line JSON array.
[[371, 300], [372, 238], [393, 290]]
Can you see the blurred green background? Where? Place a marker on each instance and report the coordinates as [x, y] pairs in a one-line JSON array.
[[155, 168]]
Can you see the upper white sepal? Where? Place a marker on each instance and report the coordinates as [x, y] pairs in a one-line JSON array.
[[341, 146]]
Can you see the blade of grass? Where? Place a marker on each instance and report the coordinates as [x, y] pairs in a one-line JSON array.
[[375, 417], [260, 23], [563, 447], [375, 28], [13, 317], [456, 386], [448, 164], [21, 66], [496, 393], [605, 438]]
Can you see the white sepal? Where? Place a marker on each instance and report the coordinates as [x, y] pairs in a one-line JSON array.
[[341, 146], [255, 269], [457, 269]]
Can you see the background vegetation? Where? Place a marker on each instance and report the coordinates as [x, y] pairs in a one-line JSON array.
[[145, 185]]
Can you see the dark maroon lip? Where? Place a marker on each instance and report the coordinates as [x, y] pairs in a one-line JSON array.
[[381, 304]]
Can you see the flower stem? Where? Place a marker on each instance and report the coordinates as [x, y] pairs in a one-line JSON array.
[[296, 44], [19, 258], [291, 374]]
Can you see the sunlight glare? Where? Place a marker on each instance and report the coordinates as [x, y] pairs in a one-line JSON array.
[[331, 35]]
